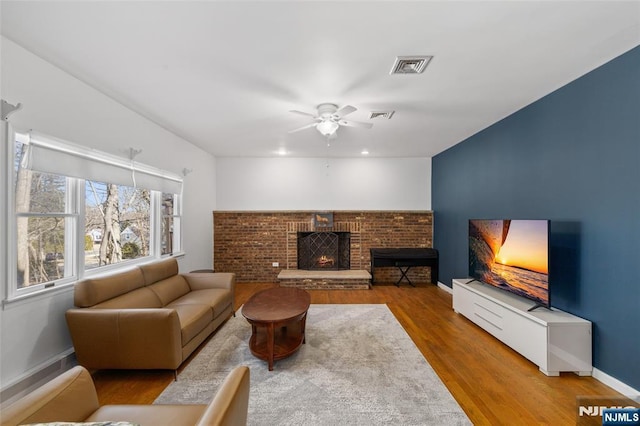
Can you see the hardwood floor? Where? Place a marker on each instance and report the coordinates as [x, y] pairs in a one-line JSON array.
[[492, 383]]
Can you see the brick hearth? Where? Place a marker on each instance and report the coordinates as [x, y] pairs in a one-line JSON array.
[[326, 280]]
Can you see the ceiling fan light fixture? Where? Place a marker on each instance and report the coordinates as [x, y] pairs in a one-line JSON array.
[[329, 118], [327, 127]]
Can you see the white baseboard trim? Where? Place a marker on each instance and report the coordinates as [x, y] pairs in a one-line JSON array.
[[616, 384], [37, 376], [445, 287]]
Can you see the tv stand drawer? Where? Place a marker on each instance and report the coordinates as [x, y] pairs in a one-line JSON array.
[[489, 316]]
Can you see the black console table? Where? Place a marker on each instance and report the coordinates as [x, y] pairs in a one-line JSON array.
[[404, 259]]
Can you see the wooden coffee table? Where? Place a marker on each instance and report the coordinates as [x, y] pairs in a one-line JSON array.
[[277, 316]]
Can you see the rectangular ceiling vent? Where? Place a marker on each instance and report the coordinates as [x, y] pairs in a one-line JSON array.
[[381, 114], [410, 64]]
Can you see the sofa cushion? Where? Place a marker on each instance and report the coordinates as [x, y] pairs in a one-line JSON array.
[[218, 299], [156, 271], [136, 299], [105, 423], [193, 319], [170, 289], [92, 291], [187, 414]]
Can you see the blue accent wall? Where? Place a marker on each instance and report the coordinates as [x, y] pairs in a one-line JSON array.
[[572, 157]]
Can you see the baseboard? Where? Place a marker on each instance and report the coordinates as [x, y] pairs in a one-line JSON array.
[[616, 384], [37, 376], [445, 287]]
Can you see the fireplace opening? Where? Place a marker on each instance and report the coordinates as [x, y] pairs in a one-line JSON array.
[[324, 250]]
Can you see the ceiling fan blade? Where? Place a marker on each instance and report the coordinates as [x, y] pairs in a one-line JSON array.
[[302, 113], [345, 110], [302, 128], [355, 124]]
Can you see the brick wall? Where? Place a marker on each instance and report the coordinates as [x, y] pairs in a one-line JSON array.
[[247, 243]]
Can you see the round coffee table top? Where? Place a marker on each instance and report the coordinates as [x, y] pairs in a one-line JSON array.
[[276, 304]]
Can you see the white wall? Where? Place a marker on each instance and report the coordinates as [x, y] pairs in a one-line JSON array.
[[308, 184], [34, 333]]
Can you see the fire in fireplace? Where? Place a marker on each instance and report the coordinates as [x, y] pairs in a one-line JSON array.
[[324, 250]]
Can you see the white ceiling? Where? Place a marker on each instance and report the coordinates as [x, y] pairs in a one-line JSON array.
[[223, 75]]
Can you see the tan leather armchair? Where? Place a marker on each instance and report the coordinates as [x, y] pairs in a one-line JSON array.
[[72, 397]]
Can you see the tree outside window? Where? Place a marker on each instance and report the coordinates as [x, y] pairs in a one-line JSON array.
[[118, 221]]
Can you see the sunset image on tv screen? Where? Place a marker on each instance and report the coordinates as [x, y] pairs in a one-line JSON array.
[[526, 246]]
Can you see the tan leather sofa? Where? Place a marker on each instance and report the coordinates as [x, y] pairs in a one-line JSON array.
[[72, 397], [149, 317]]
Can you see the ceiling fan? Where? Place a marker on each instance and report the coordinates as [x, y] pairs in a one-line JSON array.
[[329, 118]]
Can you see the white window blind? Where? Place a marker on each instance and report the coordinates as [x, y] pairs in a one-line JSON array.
[[49, 155]]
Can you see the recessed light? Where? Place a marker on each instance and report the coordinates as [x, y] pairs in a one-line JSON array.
[[410, 64], [364, 152], [282, 151]]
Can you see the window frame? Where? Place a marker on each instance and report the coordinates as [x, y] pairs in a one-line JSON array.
[[71, 218], [176, 217], [74, 232]]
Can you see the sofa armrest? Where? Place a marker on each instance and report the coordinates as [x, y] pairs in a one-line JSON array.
[[126, 338], [230, 405], [70, 397], [204, 280]]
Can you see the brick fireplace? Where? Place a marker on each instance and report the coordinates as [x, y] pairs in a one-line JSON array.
[[250, 243]]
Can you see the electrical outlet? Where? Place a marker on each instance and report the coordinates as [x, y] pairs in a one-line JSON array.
[[275, 264]]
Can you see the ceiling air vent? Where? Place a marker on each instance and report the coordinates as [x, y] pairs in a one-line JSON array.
[[381, 114], [410, 64]]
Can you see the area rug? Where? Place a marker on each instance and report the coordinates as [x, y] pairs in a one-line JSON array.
[[358, 367]]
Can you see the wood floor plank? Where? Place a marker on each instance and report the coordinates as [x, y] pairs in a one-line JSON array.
[[491, 382]]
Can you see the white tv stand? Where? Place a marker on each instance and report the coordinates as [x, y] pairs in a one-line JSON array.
[[552, 339]]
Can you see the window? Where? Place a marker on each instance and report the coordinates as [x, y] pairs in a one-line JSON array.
[[44, 223], [64, 208], [170, 240], [117, 223]]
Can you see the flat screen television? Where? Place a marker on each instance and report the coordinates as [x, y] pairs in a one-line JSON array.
[[512, 255]]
